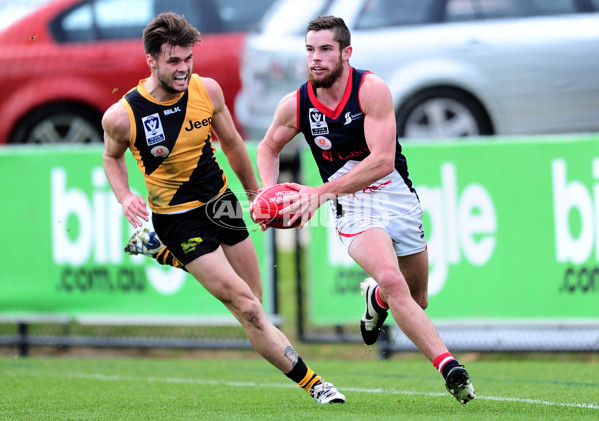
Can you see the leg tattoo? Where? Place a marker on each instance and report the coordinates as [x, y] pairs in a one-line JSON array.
[[291, 355]]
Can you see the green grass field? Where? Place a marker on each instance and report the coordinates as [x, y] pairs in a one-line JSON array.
[[247, 388]]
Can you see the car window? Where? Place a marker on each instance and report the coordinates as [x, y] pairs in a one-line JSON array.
[[78, 25], [125, 19], [111, 19], [387, 13], [554, 7], [291, 17], [241, 15], [467, 10], [11, 11], [133, 14]]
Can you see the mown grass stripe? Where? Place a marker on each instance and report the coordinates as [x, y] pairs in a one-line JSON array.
[[349, 389]]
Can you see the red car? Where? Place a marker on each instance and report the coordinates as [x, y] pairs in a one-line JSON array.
[[64, 64]]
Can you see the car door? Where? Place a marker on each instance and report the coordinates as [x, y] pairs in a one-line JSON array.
[[541, 72]]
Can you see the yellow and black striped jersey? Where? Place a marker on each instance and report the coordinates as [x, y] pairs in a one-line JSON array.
[[171, 142]]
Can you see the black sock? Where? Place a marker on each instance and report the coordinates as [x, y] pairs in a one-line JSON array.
[[448, 366], [377, 307], [444, 363], [303, 375]]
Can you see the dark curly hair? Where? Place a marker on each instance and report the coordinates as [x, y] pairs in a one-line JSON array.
[[169, 28], [337, 25]]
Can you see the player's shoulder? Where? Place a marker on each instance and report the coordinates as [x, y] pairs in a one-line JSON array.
[[213, 88], [211, 85], [289, 102], [374, 81], [373, 89], [208, 82], [115, 114], [116, 122], [286, 110]]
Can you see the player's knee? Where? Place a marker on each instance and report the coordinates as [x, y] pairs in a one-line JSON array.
[[251, 313], [392, 284]]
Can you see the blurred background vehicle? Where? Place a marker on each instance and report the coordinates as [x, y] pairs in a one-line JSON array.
[[64, 62], [456, 68]]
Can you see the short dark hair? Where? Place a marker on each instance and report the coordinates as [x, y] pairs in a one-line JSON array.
[[171, 28], [337, 25]]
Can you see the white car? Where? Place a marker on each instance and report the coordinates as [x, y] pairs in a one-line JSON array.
[[456, 68]]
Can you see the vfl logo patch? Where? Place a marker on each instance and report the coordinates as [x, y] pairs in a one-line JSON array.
[[318, 125], [191, 244], [323, 143], [160, 151], [153, 129]]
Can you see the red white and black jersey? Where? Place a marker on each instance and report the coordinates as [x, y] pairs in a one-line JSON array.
[[336, 137]]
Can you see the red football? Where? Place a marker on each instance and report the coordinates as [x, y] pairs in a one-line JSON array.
[[266, 210]]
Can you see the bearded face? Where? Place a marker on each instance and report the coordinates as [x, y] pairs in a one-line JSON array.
[[327, 79]]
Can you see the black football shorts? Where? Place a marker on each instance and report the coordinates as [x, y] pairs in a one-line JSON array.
[[202, 230]]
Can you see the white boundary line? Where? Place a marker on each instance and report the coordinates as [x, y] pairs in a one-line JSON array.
[[352, 389]]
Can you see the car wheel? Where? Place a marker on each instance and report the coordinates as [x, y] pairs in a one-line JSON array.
[[60, 124], [442, 113]]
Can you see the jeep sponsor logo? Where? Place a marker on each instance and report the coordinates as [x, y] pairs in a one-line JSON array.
[[191, 125]]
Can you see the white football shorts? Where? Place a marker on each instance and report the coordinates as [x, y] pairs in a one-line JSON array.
[[388, 204]]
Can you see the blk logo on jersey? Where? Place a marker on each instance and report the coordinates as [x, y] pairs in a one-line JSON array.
[[318, 124], [153, 129], [323, 143], [172, 111]]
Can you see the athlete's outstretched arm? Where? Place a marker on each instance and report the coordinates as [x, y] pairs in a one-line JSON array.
[[379, 131], [230, 140], [282, 130], [117, 131]]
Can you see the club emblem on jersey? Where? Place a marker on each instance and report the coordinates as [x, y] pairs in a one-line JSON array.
[[318, 124], [160, 151], [323, 143], [153, 128]]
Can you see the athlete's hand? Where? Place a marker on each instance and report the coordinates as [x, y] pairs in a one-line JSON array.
[[303, 204], [134, 208], [263, 227]]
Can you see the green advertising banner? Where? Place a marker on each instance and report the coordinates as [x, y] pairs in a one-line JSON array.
[[512, 227], [65, 234]]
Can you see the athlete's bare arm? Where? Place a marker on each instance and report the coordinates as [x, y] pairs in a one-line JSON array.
[[379, 130], [117, 131], [230, 140], [282, 130]]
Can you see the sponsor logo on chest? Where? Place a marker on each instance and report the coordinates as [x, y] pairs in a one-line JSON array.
[[323, 143], [198, 124]]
